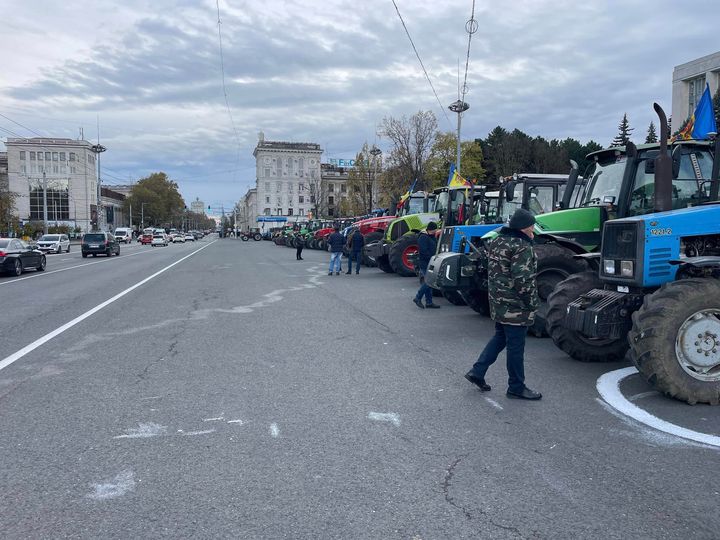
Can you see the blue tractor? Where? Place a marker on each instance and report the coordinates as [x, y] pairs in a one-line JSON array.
[[656, 293]]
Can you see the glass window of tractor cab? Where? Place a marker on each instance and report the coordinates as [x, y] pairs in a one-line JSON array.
[[604, 179], [691, 186]]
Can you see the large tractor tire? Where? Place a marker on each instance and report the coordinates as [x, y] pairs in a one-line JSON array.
[[311, 244], [257, 236], [478, 301], [322, 244], [290, 243], [675, 340], [454, 298], [244, 237], [400, 255], [384, 265], [555, 263], [369, 238], [575, 344]]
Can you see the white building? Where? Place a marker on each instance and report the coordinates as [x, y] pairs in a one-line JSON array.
[[67, 167], [197, 206], [287, 176], [688, 85]]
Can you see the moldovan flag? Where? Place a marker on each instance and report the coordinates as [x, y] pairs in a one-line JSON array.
[[454, 179], [702, 121]]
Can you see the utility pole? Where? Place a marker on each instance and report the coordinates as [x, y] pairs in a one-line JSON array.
[[131, 219], [235, 221], [458, 107], [222, 221], [45, 214]]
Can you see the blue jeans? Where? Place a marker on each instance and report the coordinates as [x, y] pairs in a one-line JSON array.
[[357, 256], [512, 337], [424, 290], [335, 260]]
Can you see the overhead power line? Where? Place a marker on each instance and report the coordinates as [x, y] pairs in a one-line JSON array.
[[442, 108], [19, 124], [222, 71]]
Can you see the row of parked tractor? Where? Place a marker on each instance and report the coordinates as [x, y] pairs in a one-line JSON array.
[[628, 256]]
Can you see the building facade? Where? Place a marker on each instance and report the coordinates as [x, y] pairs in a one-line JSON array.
[[197, 206], [333, 190], [4, 181], [287, 178], [688, 85], [67, 169]]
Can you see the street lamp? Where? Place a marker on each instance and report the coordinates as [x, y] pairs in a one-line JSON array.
[[375, 152], [99, 149], [458, 107]]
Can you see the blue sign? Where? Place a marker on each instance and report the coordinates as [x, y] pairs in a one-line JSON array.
[[271, 218], [343, 162]]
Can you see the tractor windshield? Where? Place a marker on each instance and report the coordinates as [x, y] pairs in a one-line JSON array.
[[413, 205], [441, 204], [604, 180]]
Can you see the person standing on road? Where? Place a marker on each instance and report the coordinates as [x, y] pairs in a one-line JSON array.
[[512, 288], [299, 245], [355, 246], [426, 249], [336, 242]]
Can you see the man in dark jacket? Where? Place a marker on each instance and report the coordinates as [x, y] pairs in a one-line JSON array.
[[336, 242], [355, 246], [512, 288], [299, 245], [426, 249]]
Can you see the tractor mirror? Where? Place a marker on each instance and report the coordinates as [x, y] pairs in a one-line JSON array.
[[510, 191], [609, 200]]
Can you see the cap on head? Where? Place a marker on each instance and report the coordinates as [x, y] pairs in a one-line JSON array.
[[522, 219], [432, 226], [337, 228]]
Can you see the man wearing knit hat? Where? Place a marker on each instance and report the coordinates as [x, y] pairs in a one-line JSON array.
[[512, 289]]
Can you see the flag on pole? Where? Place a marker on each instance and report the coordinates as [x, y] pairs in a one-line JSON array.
[[407, 194], [702, 121], [454, 179]]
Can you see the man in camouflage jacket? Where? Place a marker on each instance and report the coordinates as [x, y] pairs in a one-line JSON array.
[[512, 289]]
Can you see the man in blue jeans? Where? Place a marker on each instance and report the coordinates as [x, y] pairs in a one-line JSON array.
[[512, 290], [355, 246], [336, 242], [426, 249]]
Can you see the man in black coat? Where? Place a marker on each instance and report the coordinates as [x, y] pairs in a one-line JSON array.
[[336, 242], [426, 249], [355, 246]]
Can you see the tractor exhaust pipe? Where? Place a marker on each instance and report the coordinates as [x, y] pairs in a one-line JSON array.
[[570, 186], [663, 167], [715, 177]]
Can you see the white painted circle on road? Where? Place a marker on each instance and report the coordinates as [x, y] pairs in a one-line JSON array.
[[608, 385]]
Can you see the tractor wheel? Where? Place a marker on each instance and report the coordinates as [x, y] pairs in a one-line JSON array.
[[244, 238], [555, 263], [257, 236], [454, 298], [400, 253], [384, 264], [369, 238], [575, 344], [322, 245], [478, 301], [675, 340]]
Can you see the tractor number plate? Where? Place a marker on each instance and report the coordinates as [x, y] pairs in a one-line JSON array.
[[661, 232]]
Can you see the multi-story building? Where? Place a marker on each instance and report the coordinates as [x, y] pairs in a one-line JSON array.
[[288, 178], [688, 85], [197, 206], [333, 189], [66, 167], [4, 183]]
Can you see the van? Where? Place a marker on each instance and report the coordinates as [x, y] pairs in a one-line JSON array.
[[123, 234]]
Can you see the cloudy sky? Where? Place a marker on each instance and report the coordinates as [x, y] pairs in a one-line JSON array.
[[327, 72]]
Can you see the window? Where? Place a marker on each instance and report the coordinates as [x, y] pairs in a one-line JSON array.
[[331, 188], [290, 211], [301, 186], [47, 156], [267, 199], [267, 172], [331, 212], [58, 201], [22, 155], [301, 199], [279, 212], [266, 211], [331, 200], [33, 168], [56, 169], [290, 187], [290, 166], [72, 156], [23, 168], [301, 165], [55, 156], [62, 156], [278, 187], [696, 87], [73, 170], [343, 188], [301, 211], [267, 186]]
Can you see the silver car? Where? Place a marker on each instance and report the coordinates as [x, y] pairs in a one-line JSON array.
[[54, 243]]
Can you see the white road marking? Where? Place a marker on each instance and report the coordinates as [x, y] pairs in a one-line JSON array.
[[274, 430], [47, 273], [47, 337], [642, 395], [392, 418], [608, 385], [216, 419], [235, 422], [203, 432], [494, 403], [117, 487], [143, 431]]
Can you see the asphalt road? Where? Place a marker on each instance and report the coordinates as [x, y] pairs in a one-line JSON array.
[[243, 394]]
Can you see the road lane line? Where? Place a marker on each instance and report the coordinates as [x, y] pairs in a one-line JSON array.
[[494, 403], [47, 337], [46, 273], [274, 430], [608, 385], [392, 418]]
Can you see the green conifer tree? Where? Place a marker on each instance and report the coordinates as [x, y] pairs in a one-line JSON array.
[[651, 134], [624, 132]]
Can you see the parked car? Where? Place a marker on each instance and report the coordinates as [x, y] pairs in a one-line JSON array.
[[123, 234], [146, 238], [16, 256], [159, 240], [99, 243], [54, 242]]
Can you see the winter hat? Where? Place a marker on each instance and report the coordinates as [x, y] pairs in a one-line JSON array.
[[432, 226], [521, 219]]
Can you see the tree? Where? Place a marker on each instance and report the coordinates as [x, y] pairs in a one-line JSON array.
[[624, 132], [318, 192], [8, 218], [412, 139], [163, 204], [444, 152], [360, 183], [651, 134]]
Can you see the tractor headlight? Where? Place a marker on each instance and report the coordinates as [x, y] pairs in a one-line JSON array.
[[609, 266], [627, 268]]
